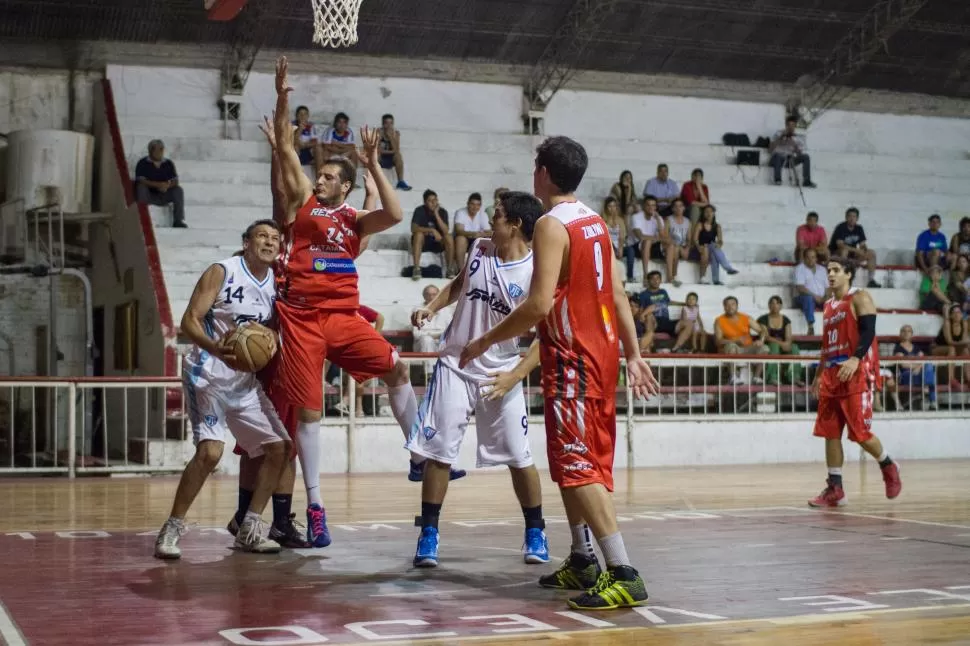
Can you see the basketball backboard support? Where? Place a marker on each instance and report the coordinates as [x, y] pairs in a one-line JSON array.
[[223, 10]]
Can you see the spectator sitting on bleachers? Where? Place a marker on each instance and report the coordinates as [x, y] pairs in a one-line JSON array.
[[391, 156], [959, 289], [470, 223], [708, 241], [305, 138], [788, 148], [429, 232], [849, 241], [732, 335], [811, 287], [638, 319], [496, 197], [953, 340], [646, 237], [157, 182], [678, 240], [616, 226], [625, 193], [960, 242], [779, 341], [339, 140], [912, 374], [663, 188], [811, 236], [426, 338], [690, 326], [695, 194], [933, 291], [931, 246], [655, 311]]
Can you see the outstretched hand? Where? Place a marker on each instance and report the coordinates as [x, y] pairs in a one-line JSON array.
[[641, 378], [282, 86], [371, 140], [268, 130]]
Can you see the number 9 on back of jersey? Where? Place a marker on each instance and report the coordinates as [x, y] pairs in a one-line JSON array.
[[253, 346]]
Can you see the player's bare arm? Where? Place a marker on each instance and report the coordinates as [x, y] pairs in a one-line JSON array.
[[390, 212], [276, 175], [448, 295], [500, 383], [549, 245], [864, 309], [641, 378], [203, 296], [296, 186]]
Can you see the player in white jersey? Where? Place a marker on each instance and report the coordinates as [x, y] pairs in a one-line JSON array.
[[221, 398], [495, 280]]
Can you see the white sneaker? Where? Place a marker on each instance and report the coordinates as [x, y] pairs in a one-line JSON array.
[[167, 543], [250, 538]]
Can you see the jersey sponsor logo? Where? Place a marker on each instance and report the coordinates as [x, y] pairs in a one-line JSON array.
[[210, 420], [578, 448], [325, 248], [334, 266], [578, 466], [515, 291], [593, 230], [495, 304], [241, 319]]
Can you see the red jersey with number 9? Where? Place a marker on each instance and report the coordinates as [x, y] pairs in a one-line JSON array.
[[317, 260], [578, 341], [840, 339]]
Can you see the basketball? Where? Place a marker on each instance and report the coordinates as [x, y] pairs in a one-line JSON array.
[[254, 345]]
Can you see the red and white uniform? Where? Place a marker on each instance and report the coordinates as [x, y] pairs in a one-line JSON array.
[[317, 306], [579, 355], [845, 404]]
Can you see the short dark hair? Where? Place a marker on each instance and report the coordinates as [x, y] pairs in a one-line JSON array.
[[694, 294], [659, 166], [348, 171], [848, 266], [475, 196], [428, 193], [302, 107], [776, 299], [678, 199], [339, 116], [647, 198], [935, 216], [565, 160], [852, 209], [248, 233], [729, 298], [790, 118], [697, 170], [653, 273], [964, 220], [387, 116], [524, 208], [812, 214]]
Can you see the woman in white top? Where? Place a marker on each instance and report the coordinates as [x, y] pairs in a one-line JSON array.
[[616, 225]]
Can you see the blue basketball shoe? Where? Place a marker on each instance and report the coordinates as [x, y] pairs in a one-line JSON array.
[[427, 553], [536, 547], [316, 526], [416, 472]]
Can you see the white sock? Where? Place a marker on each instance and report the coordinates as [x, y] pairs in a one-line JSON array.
[[883, 457], [614, 551], [835, 471], [582, 540], [404, 406], [308, 448]]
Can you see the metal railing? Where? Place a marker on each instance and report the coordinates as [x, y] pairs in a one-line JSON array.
[[138, 425]]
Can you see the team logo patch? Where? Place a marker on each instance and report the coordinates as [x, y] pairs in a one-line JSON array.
[[334, 266], [210, 420], [607, 323], [319, 264], [515, 291], [429, 433]]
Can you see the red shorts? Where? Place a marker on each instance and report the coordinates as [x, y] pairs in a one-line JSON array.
[[309, 336], [580, 441], [852, 411]]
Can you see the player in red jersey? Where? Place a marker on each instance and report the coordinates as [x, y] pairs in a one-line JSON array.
[[844, 383], [318, 299], [582, 312]]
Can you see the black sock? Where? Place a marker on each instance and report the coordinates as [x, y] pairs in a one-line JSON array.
[[835, 479], [282, 503], [885, 463], [533, 517], [245, 497], [429, 514]]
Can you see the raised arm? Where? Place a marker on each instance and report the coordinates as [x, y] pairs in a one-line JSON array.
[[275, 174], [203, 296], [390, 212], [296, 187]]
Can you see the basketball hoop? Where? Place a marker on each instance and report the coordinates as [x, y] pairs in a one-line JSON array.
[[335, 22]]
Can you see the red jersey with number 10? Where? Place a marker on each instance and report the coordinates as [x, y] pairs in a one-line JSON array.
[[317, 260], [578, 343], [840, 339]]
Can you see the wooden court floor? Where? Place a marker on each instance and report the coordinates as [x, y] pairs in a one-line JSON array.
[[731, 555]]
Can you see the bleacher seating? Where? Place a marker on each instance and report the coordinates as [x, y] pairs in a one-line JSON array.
[[226, 184]]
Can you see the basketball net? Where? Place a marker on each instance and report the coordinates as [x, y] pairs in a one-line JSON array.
[[335, 22]]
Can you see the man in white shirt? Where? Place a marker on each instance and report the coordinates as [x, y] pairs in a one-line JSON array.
[[470, 223], [426, 337], [647, 234], [811, 287]]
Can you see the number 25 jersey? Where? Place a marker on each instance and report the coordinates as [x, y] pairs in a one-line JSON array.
[[840, 338], [317, 267]]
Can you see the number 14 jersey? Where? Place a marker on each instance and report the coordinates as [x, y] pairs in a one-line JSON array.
[[840, 339]]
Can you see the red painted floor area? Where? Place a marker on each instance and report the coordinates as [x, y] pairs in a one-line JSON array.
[[104, 588]]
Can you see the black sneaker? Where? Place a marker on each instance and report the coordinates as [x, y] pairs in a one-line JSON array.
[[577, 572], [290, 536], [617, 587]]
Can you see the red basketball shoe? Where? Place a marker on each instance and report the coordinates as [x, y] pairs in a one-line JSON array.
[[831, 496], [890, 475]]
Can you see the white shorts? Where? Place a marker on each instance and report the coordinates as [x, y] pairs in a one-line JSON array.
[[502, 425], [251, 418]]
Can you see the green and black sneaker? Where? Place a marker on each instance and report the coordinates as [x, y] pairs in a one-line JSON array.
[[577, 572], [617, 587]]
